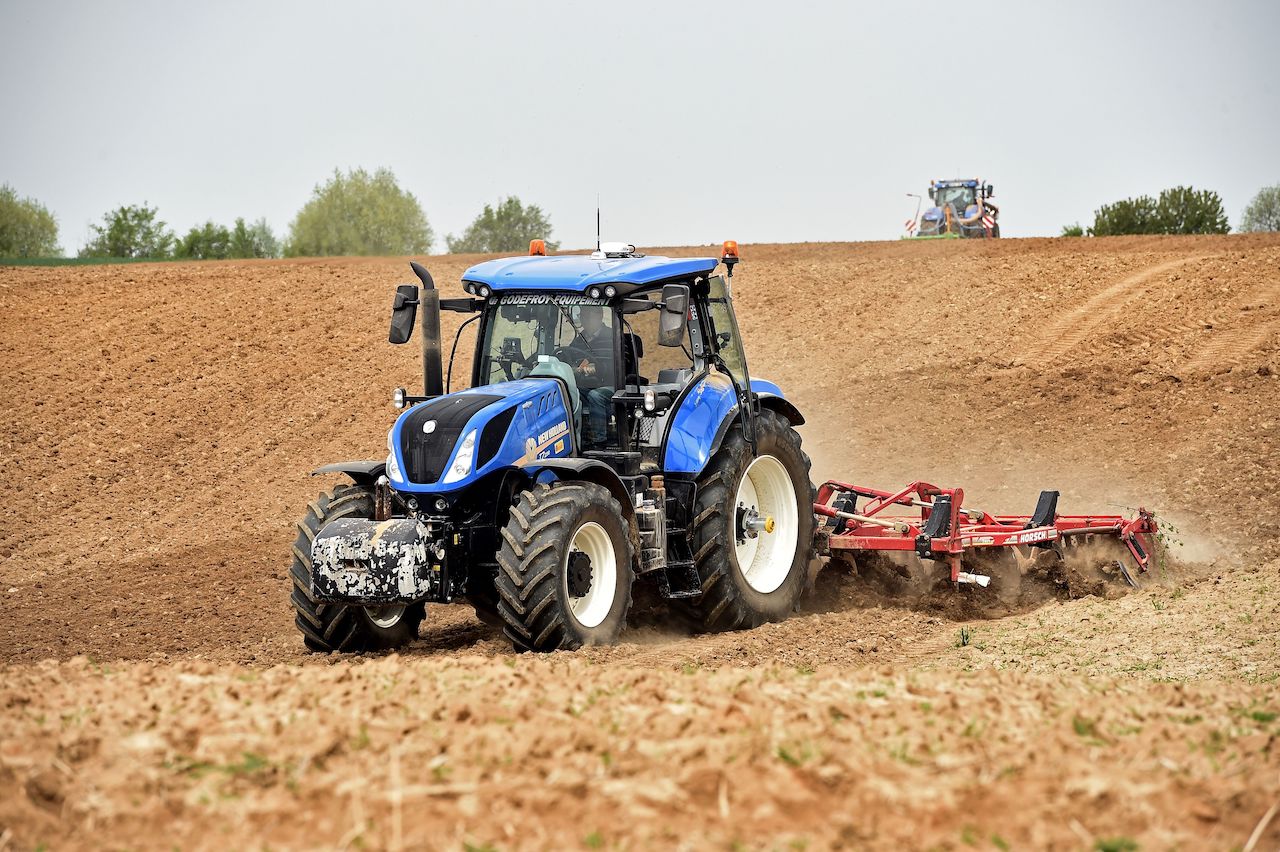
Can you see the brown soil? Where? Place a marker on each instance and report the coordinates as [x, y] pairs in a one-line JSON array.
[[160, 421]]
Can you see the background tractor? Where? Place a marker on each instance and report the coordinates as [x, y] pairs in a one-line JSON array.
[[612, 435], [961, 208]]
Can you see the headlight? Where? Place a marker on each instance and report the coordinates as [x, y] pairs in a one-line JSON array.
[[393, 469], [611, 291], [462, 462], [398, 397]]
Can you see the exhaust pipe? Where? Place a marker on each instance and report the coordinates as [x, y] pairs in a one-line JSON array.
[[432, 372]]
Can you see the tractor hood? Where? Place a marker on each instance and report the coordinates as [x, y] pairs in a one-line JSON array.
[[446, 443]]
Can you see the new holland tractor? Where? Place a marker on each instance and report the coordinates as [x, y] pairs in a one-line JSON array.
[[612, 435], [961, 208]]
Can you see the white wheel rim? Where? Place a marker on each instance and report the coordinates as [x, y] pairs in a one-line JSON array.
[[385, 616], [593, 607], [765, 560]]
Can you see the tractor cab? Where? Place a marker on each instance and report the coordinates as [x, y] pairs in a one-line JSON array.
[[623, 335], [958, 197]]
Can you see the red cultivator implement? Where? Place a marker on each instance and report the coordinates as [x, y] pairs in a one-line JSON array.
[[855, 518]]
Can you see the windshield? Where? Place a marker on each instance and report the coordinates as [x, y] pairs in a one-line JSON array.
[[529, 328], [958, 196]]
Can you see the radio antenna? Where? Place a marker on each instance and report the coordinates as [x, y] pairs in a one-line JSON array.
[[597, 222]]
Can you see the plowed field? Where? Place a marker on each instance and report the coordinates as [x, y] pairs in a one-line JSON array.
[[159, 422]]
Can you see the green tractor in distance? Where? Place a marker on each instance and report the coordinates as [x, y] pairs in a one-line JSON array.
[[961, 208]]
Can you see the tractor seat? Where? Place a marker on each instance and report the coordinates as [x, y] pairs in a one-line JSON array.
[[549, 367]]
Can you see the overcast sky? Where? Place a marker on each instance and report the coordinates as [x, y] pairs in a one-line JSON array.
[[694, 122]]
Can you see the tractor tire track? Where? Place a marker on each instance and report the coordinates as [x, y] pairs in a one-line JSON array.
[[1071, 329], [1244, 335]]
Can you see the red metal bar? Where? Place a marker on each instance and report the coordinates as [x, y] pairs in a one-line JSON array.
[[849, 533]]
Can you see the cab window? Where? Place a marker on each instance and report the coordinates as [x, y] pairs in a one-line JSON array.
[[724, 325], [655, 364], [518, 333]]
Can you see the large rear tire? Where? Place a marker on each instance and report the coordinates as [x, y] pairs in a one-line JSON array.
[[748, 580], [328, 627], [564, 568]]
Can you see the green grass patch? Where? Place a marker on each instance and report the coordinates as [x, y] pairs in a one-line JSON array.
[[1116, 844]]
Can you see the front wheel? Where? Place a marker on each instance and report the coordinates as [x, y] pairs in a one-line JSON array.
[[753, 528], [564, 568], [327, 626]]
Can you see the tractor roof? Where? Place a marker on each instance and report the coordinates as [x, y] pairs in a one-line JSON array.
[[578, 272], [970, 182]]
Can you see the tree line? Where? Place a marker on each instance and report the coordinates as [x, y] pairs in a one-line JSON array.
[[352, 213], [1180, 210], [363, 213]]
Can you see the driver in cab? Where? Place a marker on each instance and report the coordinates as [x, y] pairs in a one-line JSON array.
[[593, 348]]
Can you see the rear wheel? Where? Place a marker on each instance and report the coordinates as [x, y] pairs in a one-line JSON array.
[[753, 528], [564, 568], [330, 627]]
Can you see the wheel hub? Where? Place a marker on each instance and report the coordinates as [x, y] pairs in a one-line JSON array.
[[579, 574], [385, 616], [750, 523]]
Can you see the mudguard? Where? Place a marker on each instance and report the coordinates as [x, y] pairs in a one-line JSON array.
[[704, 416], [582, 470], [364, 473]]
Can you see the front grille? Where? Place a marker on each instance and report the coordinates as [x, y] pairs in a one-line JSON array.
[[645, 428], [425, 454]]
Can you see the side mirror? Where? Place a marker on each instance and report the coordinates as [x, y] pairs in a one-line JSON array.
[[991, 190], [674, 319], [404, 310], [930, 192]]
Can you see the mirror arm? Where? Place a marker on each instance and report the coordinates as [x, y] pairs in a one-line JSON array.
[[448, 379], [462, 306]]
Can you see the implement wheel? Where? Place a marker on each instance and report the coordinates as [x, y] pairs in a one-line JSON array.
[[564, 568], [753, 528], [342, 627]]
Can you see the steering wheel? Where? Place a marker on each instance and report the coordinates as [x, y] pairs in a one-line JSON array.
[[574, 355], [507, 360]]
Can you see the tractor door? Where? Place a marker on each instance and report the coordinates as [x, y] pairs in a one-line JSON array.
[[665, 370], [726, 344]]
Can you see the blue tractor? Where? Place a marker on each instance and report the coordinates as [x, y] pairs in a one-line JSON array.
[[961, 208], [612, 436]]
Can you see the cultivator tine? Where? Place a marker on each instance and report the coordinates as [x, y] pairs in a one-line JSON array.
[[1128, 578]]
